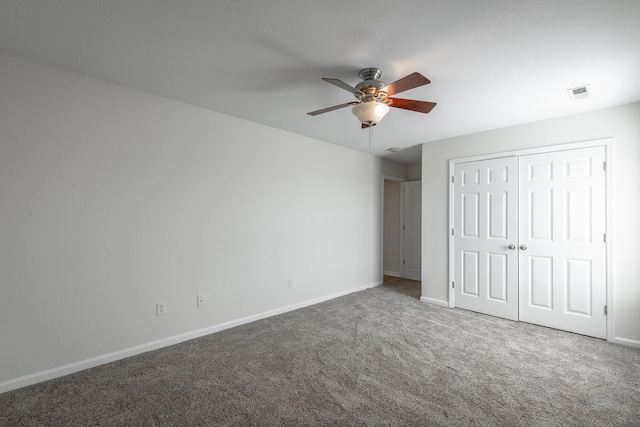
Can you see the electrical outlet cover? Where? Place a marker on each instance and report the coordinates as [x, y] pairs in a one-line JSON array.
[[202, 300], [161, 308]]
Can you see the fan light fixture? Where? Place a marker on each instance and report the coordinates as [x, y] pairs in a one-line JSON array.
[[370, 112], [374, 97]]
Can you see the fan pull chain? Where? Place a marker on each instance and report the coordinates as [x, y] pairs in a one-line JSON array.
[[370, 134]]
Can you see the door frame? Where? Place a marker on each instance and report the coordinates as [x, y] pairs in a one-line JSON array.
[[607, 143]]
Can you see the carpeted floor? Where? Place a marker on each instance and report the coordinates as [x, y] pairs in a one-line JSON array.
[[376, 357]]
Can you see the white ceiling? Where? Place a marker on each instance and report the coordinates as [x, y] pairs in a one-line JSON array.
[[491, 64]]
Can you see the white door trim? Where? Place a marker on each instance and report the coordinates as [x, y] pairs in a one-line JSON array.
[[605, 142]]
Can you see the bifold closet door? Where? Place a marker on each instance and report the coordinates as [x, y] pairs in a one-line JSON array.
[[562, 249], [486, 236]]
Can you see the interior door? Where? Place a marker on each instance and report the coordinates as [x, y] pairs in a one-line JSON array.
[[485, 236], [562, 240], [412, 230]]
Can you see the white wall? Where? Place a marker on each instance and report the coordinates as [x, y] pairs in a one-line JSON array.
[[392, 223], [114, 199], [621, 123]]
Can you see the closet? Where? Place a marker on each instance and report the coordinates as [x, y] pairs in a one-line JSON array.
[[528, 238]]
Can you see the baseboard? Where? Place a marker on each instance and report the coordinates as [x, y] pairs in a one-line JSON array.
[[71, 368], [391, 273], [438, 302], [625, 341]]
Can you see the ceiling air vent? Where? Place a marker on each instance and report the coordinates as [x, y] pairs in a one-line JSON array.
[[580, 92]]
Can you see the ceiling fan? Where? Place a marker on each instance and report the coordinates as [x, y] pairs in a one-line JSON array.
[[375, 97]]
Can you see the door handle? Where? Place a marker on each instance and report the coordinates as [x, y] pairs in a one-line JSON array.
[[512, 246], [523, 247]]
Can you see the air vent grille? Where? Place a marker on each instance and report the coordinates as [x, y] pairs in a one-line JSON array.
[[580, 92]]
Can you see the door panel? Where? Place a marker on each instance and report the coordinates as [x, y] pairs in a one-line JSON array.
[[541, 226], [470, 273], [562, 226], [470, 223], [485, 269], [498, 277], [541, 280]]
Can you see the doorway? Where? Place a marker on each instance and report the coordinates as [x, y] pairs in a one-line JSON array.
[[402, 229], [392, 228], [412, 230]]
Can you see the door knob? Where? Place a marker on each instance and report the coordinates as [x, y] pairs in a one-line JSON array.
[[523, 247], [512, 246]]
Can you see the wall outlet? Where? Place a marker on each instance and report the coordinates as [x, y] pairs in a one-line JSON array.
[[161, 308], [291, 283], [202, 300]]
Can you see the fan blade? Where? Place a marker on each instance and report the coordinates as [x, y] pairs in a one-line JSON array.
[[364, 125], [335, 107], [406, 83], [413, 105], [342, 85]]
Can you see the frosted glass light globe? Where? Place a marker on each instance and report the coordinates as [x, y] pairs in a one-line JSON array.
[[370, 112]]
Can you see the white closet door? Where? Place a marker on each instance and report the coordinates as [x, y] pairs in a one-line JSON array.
[[485, 237], [561, 240]]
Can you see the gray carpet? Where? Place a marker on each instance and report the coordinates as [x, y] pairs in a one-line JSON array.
[[376, 357]]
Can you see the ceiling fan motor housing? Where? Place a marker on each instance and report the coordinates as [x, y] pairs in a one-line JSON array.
[[371, 87], [370, 73]]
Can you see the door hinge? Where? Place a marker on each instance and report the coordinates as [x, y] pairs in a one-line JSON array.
[[605, 310], [453, 179], [453, 285], [604, 166], [402, 262], [403, 227], [453, 232], [604, 237]]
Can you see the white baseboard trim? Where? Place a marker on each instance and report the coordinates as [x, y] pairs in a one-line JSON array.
[[625, 341], [71, 368], [438, 302], [391, 273]]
